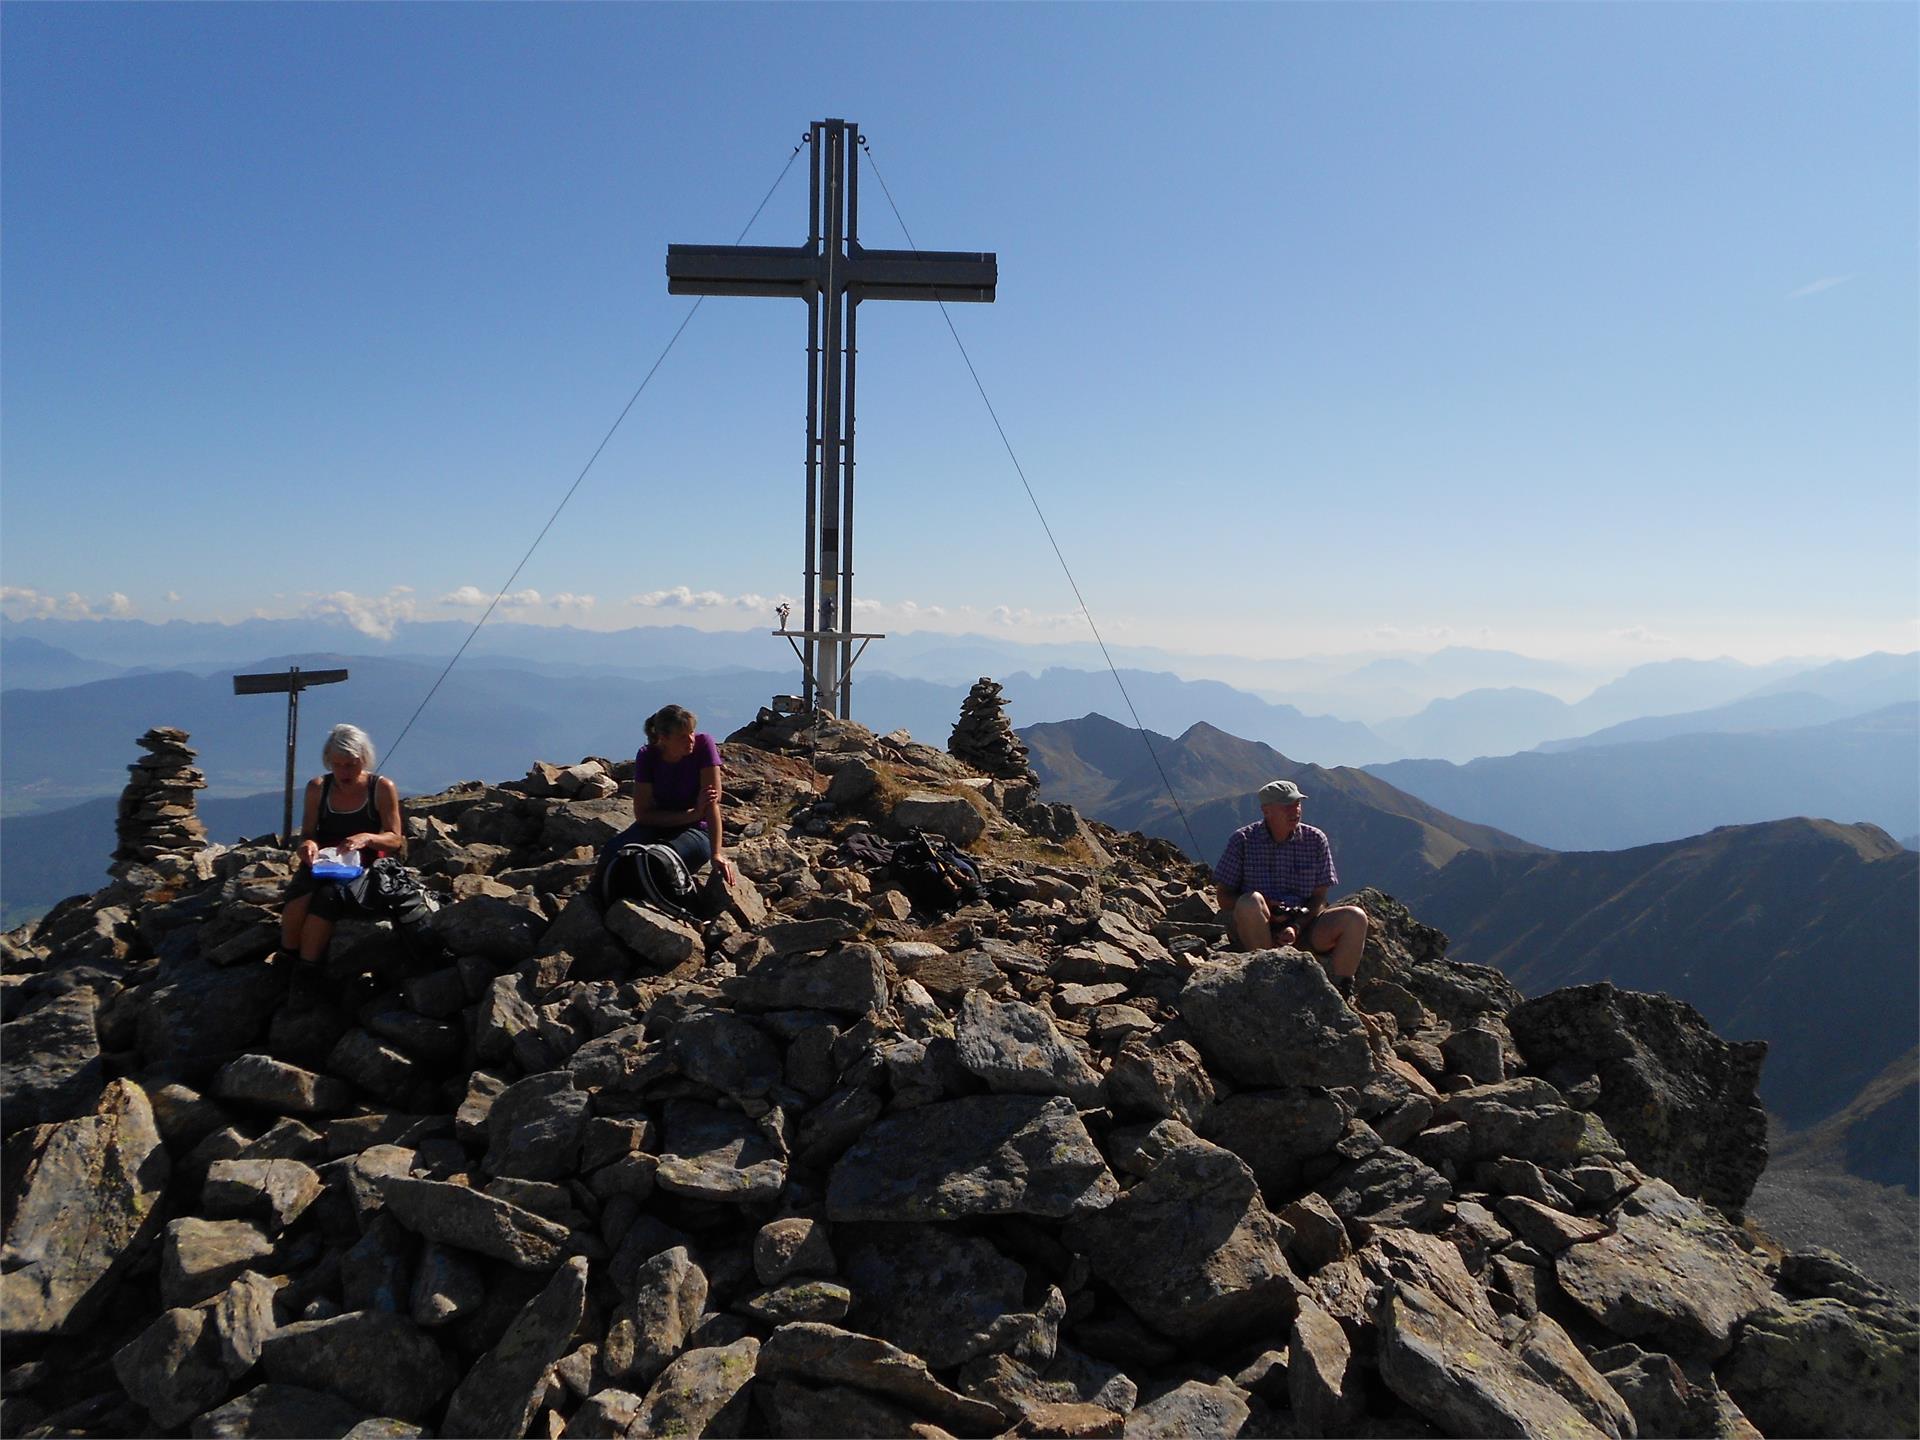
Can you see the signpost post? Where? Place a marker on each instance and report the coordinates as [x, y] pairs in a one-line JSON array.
[[291, 684]]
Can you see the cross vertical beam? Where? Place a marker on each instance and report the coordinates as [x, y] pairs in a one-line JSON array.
[[833, 273]]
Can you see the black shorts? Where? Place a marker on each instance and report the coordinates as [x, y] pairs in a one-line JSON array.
[[331, 898]]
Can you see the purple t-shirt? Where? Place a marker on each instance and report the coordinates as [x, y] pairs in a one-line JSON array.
[[676, 783]]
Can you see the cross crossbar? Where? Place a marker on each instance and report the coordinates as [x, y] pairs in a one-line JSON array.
[[797, 271]]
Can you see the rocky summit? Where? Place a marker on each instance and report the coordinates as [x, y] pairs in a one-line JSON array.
[[810, 1161]]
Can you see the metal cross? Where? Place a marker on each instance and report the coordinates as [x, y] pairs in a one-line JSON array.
[[833, 273]]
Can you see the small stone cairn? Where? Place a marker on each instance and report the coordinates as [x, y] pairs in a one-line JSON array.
[[156, 809], [982, 737]]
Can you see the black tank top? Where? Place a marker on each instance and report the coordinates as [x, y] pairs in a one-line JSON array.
[[333, 826]]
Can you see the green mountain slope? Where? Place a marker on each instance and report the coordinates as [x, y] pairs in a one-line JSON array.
[[1876, 1135], [1798, 932]]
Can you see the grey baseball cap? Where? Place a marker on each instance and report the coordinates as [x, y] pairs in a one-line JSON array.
[[1280, 792]]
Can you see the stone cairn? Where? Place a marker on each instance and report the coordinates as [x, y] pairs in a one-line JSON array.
[[983, 738], [1061, 1163], [156, 809]]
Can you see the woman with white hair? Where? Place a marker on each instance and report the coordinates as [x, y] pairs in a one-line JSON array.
[[349, 810]]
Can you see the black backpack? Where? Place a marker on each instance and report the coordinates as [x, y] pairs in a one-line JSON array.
[[389, 888], [649, 874], [933, 872]]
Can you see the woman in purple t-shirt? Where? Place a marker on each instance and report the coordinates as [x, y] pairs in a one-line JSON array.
[[676, 793]]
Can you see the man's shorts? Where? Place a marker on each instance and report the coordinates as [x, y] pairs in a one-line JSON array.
[[1281, 916]]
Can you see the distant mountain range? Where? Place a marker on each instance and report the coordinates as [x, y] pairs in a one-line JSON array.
[[72, 743], [1456, 703], [1650, 702], [1607, 797], [1359, 686]]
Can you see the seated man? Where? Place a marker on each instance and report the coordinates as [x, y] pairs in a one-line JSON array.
[[1271, 884]]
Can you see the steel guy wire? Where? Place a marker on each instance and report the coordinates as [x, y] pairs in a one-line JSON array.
[[604, 440], [1033, 500]]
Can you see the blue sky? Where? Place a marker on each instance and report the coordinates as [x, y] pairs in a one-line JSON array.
[[1586, 331]]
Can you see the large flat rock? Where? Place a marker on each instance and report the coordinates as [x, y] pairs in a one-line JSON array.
[[377, 1361], [469, 1220], [1015, 1049], [50, 1062], [850, 980], [500, 1392], [1274, 1018], [712, 1154], [943, 1296], [1193, 1249], [981, 1155], [823, 1354], [89, 1198], [1461, 1379], [1672, 1273]]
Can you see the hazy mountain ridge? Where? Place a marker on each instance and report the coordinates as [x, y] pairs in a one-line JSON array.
[[1668, 697], [1790, 710], [35, 665], [1865, 767], [1454, 703], [66, 745], [1381, 684]]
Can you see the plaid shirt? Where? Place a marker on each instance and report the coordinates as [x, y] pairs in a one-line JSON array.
[[1285, 873]]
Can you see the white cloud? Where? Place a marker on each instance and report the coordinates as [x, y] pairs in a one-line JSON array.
[[566, 600], [173, 597], [680, 597], [472, 597], [1022, 618], [1415, 635], [374, 616], [23, 602], [900, 611], [1640, 635], [1815, 287]]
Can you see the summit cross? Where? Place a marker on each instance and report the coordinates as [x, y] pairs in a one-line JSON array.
[[833, 273]]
